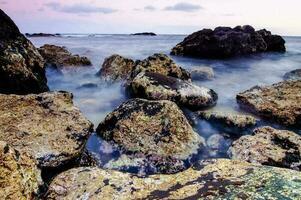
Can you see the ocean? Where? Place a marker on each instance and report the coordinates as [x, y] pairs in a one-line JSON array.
[[232, 76]]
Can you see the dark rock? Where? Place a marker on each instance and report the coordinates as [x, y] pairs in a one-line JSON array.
[[154, 86], [145, 34], [280, 102], [21, 66], [225, 42], [42, 35], [202, 73], [61, 57], [269, 146], [293, 75], [88, 86]]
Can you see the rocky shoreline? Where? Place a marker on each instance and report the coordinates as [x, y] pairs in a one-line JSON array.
[[43, 135]]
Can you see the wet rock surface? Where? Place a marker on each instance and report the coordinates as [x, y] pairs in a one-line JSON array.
[[57, 57], [161, 64], [46, 126], [155, 86], [269, 146], [225, 42], [202, 73], [116, 68], [19, 175], [158, 130], [212, 179], [280, 102], [293, 75], [21, 65]]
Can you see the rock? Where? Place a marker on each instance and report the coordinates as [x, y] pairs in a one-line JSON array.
[[269, 146], [154, 86], [293, 75], [145, 34], [42, 35], [88, 86], [280, 102], [19, 175], [21, 66], [117, 68], [217, 144], [228, 120], [156, 129], [202, 73], [47, 126], [61, 57], [211, 179], [225, 42], [162, 64]]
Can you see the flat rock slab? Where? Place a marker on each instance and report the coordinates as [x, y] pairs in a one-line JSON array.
[[19, 175], [293, 75], [47, 126], [280, 102], [156, 86], [269, 146], [214, 179], [156, 129]]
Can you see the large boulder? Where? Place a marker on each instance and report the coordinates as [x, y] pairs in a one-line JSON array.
[[46, 126], [269, 146], [162, 64], [156, 129], [117, 68], [19, 175], [21, 66], [225, 42], [293, 75], [156, 86], [280, 102], [212, 179], [58, 57]]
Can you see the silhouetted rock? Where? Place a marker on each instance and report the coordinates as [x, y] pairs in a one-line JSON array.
[[293, 75], [42, 35], [145, 34], [225, 42], [21, 66]]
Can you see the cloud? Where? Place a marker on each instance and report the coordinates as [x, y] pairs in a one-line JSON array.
[[79, 8], [184, 7], [150, 8]]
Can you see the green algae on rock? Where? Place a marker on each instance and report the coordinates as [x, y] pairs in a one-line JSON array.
[[47, 126], [280, 102], [19, 175], [154, 86], [21, 66], [211, 179], [269, 146]]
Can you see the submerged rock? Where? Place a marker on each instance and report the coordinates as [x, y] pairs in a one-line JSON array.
[[269, 146], [21, 66], [42, 35], [280, 102], [212, 179], [162, 64], [224, 42], [46, 126], [202, 73], [56, 56], [116, 67], [145, 34], [19, 175], [293, 75], [217, 144], [156, 129], [155, 86]]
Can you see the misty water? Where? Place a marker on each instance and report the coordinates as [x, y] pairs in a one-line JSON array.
[[232, 76]]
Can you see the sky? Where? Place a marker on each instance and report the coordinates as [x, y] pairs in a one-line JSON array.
[[159, 16]]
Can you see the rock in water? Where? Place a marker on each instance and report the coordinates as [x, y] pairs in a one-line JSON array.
[[225, 42], [293, 75], [269, 146], [156, 129], [280, 102], [117, 68], [47, 126], [21, 66], [162, 64], [202, 73], [58, 57], [212, 179], [154, 86], [19, 175]]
